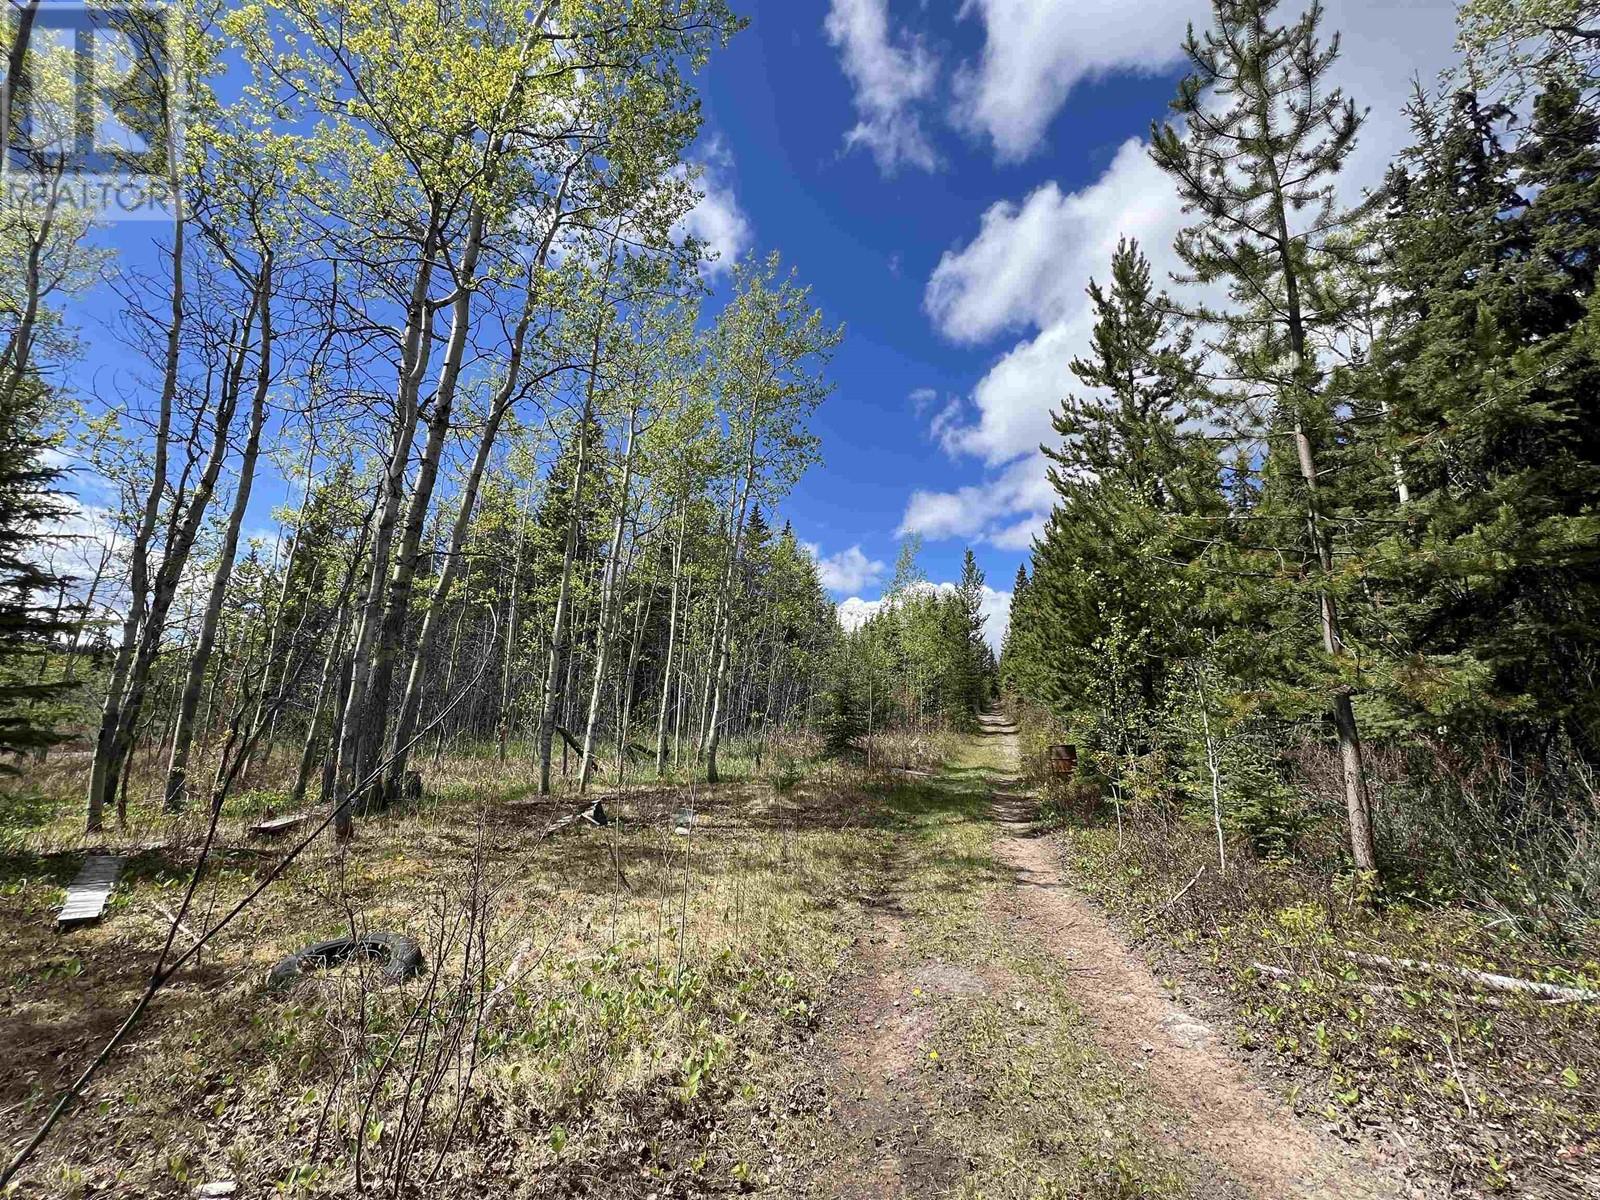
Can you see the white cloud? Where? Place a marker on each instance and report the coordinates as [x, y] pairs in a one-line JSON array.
[[716, 220], [995, 607], [856, 612], [79, 544], [1036, 51], [1027, 265], [1030, 261], [986, 511], [889, 76], [848, 570]]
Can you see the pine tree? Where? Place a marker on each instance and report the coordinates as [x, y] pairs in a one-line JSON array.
[[1262, 141]]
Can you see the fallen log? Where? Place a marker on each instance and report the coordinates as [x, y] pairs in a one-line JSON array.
[[172, 919], [593, 814], [1486, 979], [1388, 989]]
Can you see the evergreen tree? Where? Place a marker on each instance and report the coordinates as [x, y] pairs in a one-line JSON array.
[[1006, 669], [1491, 368], [1127, 477], [33, 625], [973, 678], [1262, 140]]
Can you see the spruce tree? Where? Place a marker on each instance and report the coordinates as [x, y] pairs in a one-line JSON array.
[[1009, 669], [1491, 365], [34, 626], [969, 593], [1127, 475]]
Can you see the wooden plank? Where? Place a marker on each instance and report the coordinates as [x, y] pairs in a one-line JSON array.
[[88, 893], [278, 825]]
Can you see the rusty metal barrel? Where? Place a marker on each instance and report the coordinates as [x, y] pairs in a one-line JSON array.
[[1060, 761]]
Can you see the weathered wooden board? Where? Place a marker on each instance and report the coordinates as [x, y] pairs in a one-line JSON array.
[[88, 893], [277, 825]]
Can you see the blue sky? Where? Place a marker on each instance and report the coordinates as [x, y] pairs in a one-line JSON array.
[[867, 227], [947, 177]]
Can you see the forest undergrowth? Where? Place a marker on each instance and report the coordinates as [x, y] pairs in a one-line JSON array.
[[1376, 1003]]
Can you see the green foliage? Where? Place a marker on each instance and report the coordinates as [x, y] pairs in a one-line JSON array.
[[1489, 365], [1387, 520], [36, 620], [1106, 615], [844, 717], [920, 661]]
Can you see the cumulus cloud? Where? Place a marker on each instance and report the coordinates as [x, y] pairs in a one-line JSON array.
[[848, 570], [1036, 51], [717, 221], [856, 612], [995, 607], [1025, 268], [1029, 262], [889, 76], [77, 544], [988, 511]]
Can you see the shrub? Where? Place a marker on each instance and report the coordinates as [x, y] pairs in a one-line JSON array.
[[1077, 797]]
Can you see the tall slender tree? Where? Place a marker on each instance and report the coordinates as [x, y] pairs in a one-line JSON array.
[[1263, 137]]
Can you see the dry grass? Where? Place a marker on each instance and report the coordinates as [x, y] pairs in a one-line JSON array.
[[659, 981], [1010, 1096], [1496, 1092]]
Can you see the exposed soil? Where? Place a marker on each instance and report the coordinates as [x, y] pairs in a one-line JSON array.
[[1218, 1113], [886, 1146], [1228, 1134]]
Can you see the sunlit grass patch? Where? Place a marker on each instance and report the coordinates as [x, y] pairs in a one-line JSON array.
[[603, 1001]]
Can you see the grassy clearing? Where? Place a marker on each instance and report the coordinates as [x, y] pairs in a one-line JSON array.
[[627, 1009], [609, 1004]]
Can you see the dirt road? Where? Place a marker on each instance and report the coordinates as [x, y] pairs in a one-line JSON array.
[[998, 1038]]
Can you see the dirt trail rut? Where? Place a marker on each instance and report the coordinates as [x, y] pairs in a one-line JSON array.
[[887, 1148], [1221, 1114]]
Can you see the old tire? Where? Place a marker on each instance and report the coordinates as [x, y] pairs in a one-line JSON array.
[[401, 956]]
